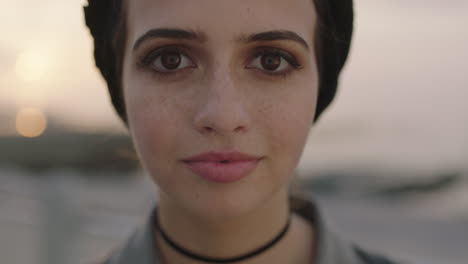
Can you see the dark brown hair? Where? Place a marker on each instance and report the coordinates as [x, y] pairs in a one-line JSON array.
[[106, 20]]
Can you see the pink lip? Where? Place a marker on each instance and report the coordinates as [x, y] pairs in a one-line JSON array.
[[222, 167]]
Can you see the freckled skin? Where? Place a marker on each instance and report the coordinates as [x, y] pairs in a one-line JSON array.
[[245, 109]]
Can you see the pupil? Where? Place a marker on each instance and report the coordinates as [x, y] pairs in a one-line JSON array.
[[271, 62], [171, 61]]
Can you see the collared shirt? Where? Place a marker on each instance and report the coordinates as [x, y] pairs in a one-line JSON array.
[[141, 247]]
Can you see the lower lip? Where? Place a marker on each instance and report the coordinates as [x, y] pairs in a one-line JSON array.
[[222, 172]]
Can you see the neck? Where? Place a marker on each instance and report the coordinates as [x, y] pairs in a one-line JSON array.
[[229, 237]]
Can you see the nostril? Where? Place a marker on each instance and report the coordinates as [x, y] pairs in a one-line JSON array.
[[239, 129]]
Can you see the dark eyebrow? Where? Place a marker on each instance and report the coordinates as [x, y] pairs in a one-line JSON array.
[[173, 33], [275, 35], [177, 33]]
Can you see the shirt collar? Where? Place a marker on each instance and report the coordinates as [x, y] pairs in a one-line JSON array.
[[141, 246], [330, 249]]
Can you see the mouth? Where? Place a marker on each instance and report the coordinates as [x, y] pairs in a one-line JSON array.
[[222, 167], [222, 157]]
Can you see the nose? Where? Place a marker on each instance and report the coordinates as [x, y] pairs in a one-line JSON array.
[[222, 107]]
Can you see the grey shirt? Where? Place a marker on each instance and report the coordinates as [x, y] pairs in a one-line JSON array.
[[141, 247]]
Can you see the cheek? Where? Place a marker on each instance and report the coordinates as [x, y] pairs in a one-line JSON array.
[[153, 129], [289, 125]]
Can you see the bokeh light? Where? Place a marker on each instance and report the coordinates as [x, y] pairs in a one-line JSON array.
[[31, 122], [31, 66]]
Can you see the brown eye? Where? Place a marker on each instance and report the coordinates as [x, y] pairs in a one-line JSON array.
[[171, 61], [168, 60], [271, 62]]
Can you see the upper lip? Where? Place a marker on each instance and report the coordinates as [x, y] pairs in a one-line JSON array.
[[222, 156]]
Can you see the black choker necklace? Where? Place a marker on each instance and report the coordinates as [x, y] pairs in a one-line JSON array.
[[192, 255]]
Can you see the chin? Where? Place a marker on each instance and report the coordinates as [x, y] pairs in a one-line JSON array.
[[219, 202], [229, 205]]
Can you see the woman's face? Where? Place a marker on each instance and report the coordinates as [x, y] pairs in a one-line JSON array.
[[220, 76]]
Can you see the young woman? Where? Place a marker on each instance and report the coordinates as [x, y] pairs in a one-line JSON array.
[[219, 97]]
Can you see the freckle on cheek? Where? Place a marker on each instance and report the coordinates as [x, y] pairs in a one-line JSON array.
[[162, 100]]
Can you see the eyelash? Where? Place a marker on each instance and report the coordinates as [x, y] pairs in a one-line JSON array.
[[290, 59], [149, 59]]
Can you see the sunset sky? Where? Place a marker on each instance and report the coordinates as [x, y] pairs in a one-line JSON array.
[[406, 80]]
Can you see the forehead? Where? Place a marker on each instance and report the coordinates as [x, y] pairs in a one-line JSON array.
[[222, 19]]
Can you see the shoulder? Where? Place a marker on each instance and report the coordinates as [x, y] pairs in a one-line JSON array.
[[331, 248], [105, 258], [139, 247], [367, 257]]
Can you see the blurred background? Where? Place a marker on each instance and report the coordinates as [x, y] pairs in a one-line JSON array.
[[388, 161]]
